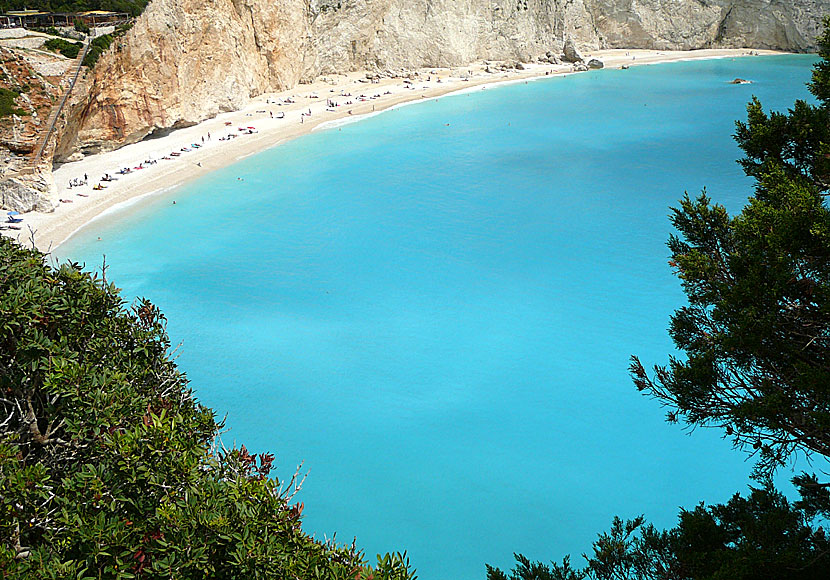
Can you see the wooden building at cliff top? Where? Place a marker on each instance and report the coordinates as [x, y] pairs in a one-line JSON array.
[[94, 18], [38, 19]]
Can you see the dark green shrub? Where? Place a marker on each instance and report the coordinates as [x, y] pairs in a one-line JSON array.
[[131, 7], [108, 467], [97, 48], [7, 104], [66, 48]]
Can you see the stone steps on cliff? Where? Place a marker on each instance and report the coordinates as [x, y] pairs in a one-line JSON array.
[[71, 75]]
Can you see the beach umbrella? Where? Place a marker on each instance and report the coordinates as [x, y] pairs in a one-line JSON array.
[[14, 213]]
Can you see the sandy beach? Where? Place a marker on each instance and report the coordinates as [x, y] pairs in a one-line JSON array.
[[273, 120]]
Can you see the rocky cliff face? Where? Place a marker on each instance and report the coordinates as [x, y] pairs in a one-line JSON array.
[[187, 60], [352, 34], [688, 24]]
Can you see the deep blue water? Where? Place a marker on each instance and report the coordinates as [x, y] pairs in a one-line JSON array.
[[434, 308]]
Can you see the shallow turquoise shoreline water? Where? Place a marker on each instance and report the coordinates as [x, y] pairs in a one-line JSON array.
[[434, 308]]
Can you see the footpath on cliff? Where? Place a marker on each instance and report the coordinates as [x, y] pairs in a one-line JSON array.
[[161, 164]]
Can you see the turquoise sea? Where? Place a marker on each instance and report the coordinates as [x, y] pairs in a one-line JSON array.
[[434, 308]]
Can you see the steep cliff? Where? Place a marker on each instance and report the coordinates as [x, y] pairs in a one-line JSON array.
[[689, 24], [187, 60]]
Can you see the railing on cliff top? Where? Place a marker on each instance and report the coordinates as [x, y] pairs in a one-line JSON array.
[[56, 110]]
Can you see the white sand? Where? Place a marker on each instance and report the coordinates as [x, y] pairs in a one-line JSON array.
[[51, 229]]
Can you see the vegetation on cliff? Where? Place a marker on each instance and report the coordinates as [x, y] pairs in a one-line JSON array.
[[756, 335], [132, 7], [8, 105], [100, 44], [65, 47], [110, 468]]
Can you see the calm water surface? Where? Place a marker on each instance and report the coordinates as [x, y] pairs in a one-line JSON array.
[[435, 308]]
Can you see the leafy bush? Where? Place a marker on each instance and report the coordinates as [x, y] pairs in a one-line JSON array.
[[97, 48], [7, 104], [107, 462], [66, 48], [131, 7]]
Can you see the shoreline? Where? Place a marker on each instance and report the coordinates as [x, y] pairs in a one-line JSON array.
[[203, 148]]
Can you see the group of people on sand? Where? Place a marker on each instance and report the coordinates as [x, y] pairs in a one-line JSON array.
[[331, 105], [78, 182], [107, 177]]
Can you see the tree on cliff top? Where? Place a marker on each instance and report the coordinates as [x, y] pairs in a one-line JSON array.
[[107, 462]]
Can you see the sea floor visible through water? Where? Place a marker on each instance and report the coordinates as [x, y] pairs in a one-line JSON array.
[[434, 308]]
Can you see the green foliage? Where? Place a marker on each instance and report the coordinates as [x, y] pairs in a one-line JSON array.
[[820, 84], [97, 47], [131, 7], [760, 537], [756, 331], [66, 48], [632, 549], [7, 104], [527, 570], [106, 462]]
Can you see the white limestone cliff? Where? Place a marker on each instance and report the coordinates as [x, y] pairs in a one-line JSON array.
[[187, 60]]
